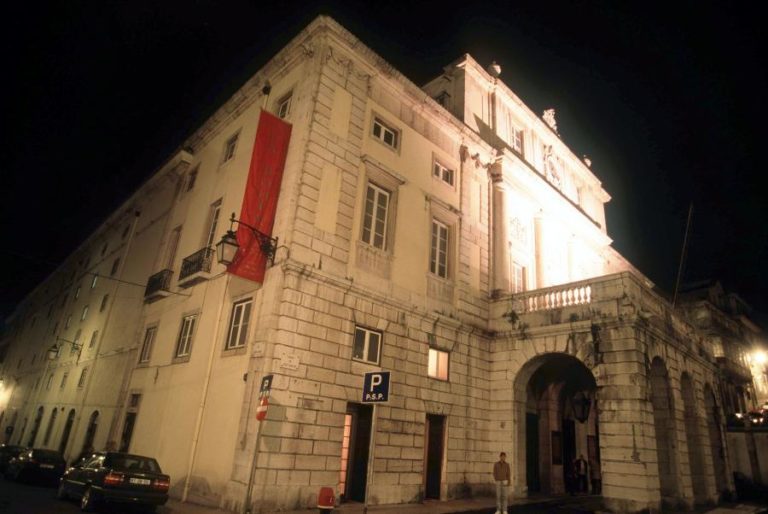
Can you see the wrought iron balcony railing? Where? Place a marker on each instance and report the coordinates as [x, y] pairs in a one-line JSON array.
[[158, 284], [198, 262]]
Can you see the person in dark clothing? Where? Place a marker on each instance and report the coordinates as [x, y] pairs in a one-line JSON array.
[[580, 474]]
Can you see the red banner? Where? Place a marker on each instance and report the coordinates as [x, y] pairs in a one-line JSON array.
[[261, 192]]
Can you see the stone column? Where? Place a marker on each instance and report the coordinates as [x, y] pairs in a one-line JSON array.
[[500, 231], [538, 233]]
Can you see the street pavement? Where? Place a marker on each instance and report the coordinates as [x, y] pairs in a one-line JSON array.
[[16, 498]]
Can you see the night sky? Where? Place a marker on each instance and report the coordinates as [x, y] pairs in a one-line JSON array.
[[668, 104]]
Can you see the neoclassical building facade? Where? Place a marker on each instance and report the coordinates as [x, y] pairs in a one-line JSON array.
[[446, 234]]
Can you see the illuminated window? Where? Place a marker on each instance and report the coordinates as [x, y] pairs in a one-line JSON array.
[[438, 364], [345, 440], [229, 148], [385, 133], [517, 278], [284, 106], [441, 172], [94, 336], [238, 324], [77, 293], [375, 216], [184, 343], [83, 374], [84, 314], [94, 281], [367, 345], [146, 346], [438, 255]]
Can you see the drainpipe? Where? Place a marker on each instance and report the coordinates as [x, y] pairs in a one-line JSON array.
[[204, 394]]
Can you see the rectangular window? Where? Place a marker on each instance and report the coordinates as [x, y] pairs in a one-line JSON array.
[[191, 179], [94, 336], [229, 148], [146, 346], [517, 277], [173, 245], [64, 378], [50, 381], [438, 254], [184, 343], [114, 267], [375, 216], [284, 106], [77, 293], [104, 300], [238, 324], [441, 172], [84, 314], [438, 364], [83, 374], [385, 133], [213, 221], [367, 345], [94, 281]]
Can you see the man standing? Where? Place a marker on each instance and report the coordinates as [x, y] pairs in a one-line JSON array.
[[502, 475]]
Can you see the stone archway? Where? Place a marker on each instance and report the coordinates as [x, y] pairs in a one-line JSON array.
[[663, 420], [694, 440], [549, 434], [714, 428]]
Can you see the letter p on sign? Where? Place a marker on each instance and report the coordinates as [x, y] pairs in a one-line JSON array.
[[376, 387]]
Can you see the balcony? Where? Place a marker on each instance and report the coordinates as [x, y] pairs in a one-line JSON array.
[[196, 267], [158, 286], [734, 370]]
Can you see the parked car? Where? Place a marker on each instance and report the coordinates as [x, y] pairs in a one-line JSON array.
[[112, 477], [7, 452], [36, 464]]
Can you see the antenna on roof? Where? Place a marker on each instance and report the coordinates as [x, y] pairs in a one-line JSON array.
[[682, 254]]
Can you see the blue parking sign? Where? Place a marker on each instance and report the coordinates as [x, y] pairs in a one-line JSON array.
[[376, 387]]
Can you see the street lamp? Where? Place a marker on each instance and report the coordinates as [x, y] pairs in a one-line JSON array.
[[53, 351], [226, 249], [581, 404]]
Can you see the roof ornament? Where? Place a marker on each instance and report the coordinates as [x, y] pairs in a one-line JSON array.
[[494, 70], [587, 161], [549, 118]]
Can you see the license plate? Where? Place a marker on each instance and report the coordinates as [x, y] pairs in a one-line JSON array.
[[46, 466], [139, 481]]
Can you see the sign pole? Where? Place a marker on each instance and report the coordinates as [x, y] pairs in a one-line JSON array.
[[261, 414], [371, 449]]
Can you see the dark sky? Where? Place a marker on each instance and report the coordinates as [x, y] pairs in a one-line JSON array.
[[667, 101]]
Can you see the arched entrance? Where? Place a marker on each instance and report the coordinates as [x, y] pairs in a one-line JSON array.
[[35, 427], [556, 424], [693, 436], [663, 411], [66, 432], [712, 413], [90, 432]]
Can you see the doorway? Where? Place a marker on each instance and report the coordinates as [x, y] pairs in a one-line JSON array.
[[67, 430], [125, 439], [355, 448], [435, 450]]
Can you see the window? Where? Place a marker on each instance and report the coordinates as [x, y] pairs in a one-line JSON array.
[[94, 336], [184, 344], [74, 347], [49, 382], [515, 138], [229, 148], [386, 134], [64, 378], [284, 106], [69, 322], [375, 216], [84, 314], [238, 324], [213, 221], [517, 278], [77, 293], [441, 172], [114, 267], [81, 380], [191, 178], [438, 364], [173, 245], [367, 345], [94, 281], [438, 254], [443, 98], [146, 346], [104, 249], [104, 300]]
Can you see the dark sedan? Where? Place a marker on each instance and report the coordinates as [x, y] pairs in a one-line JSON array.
[[36, 464], [7, 452], [111, 477]]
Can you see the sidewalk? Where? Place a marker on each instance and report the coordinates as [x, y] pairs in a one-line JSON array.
[[467, 506]]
